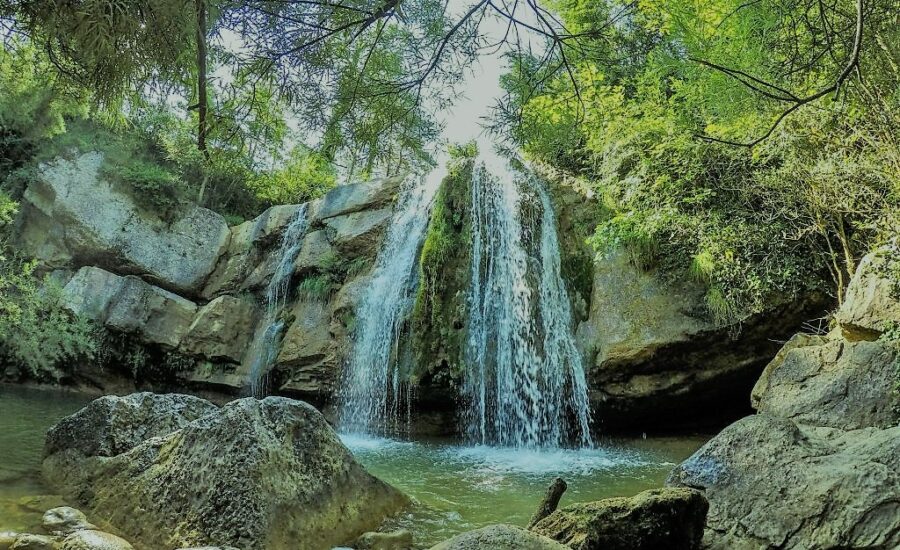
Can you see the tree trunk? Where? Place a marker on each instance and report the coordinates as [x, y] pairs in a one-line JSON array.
[[202, 104], [550, 502]]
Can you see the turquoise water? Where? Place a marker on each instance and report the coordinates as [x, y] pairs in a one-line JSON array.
[[25, 416], [457, 488]]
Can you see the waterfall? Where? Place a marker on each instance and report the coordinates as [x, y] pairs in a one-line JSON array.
[[372, 394], [524, 377], [265, 342]]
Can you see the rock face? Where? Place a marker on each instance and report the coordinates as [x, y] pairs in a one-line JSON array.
[[870, 300], [772, 483], [221, 329], [662, 518], [267, 474], [818, 466], [658, 359], [831, 382], [499, 537], [72, 217]]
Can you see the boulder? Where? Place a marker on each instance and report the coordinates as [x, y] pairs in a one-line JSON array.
[[831, 382], [671, 518], [257, 474], [221, 330], [64, 520], [131, 305], [71, 216], [660, 361], [94, 540], [499, 537], [772, 483], [355, 197], [113, 425], [7, 538], [26, 541], [871, 299], [358, 233]]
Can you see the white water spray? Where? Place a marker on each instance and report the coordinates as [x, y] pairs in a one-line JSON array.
[[373, 395], [524, 376], [265, 342]]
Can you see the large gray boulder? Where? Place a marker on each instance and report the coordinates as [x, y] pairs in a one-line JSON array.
[[774, 484], [130, 305], [670, 518], [500, 537], [831, 382], [871, 299], [257, 474], [71, 216], [112, 425], [358, 233]]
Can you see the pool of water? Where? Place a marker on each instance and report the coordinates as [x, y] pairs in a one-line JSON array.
[[25, 416], [459, 488]]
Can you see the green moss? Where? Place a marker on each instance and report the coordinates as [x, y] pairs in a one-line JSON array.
[[439, 310]]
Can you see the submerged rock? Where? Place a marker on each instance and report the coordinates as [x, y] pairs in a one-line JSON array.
[[256, 474], [94, 540], [661, 518], [500, 537], [395, 540], [65, 520]]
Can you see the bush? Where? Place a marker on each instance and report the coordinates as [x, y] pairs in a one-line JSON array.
[[38, 334]]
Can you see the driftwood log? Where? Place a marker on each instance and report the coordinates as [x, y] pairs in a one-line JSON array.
[[550, 502]]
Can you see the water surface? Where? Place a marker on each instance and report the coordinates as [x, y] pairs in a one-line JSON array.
[[459, 488]]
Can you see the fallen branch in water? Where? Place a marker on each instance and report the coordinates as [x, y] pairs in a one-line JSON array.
[[550, 502]]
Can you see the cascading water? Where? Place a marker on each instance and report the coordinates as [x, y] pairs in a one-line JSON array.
[[524, 376], [372, 394], [265, 342]]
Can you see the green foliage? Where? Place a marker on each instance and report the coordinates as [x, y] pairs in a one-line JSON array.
[[443, 269], [37, 333], [159, 190], [306, 175], [316, 287], [756, 226]]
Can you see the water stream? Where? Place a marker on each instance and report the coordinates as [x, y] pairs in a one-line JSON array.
[[373, 396], [264, 348], [524, 380]]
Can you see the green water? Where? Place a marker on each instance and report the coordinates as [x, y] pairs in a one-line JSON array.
[[25, 416], [461, 488], [457, 487]]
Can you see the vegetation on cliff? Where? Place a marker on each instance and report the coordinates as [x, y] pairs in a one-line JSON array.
[[694, 124], [439, 311]]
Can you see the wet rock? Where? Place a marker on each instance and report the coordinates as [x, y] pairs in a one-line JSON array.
[[772, 483], [7, 538], [34, 542], [257, 474], [221, 330], [395, 540], [661, 518], [112, 425], [64, 520], [500, 537], [831, 382], [71, 216], [870, 300], [308, 355], [94, 540]]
